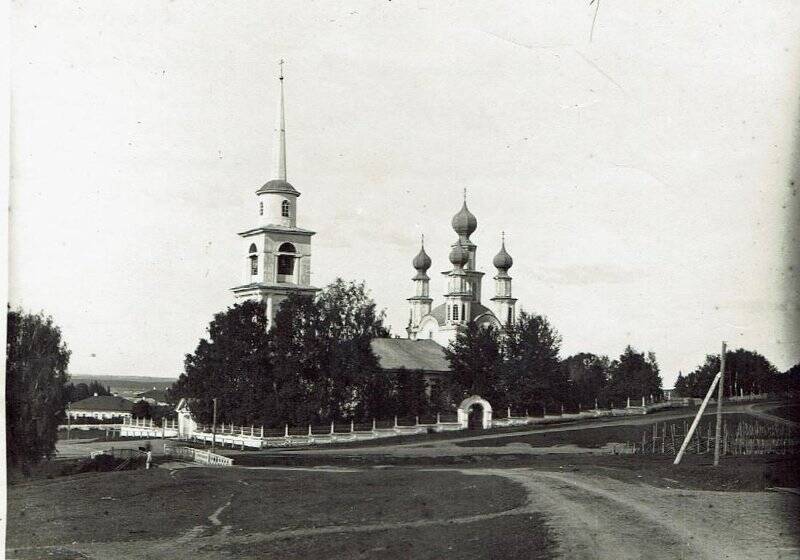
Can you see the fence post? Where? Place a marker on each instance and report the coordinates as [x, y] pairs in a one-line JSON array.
[[374, 424], [286, 431], [643, 400], [395, 421], [309, 430], [416, 420], [438, 418], [508, 414], [629, 403], [332, 421], [562, 410], [595, 405], [352, 426]]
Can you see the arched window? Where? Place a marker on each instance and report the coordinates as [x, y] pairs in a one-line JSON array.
[[286, 261], [260, 208], [253, 248], [253, 265], [285, 208]]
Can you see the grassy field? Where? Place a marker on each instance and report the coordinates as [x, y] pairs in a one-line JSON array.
[[163, 504], [789, 412]]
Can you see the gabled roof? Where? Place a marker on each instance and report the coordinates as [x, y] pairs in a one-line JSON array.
[[103, 404], [402, 353]]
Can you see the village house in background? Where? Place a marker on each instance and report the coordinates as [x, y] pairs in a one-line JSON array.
[[101, 407]]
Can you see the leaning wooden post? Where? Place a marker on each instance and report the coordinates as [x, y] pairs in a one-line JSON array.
[[696, 421], [719, 405]]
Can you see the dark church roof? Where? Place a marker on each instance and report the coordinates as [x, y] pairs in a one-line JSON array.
[[402, 353]]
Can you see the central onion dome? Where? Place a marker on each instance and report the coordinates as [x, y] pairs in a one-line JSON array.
[[464, 223], [502, 260], [422, 262], [459, 256]]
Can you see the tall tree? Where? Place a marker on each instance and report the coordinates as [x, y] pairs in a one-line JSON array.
[[633, 375], [36, 376], [533, 374], [587, 376], [232, 364], [476, 359]]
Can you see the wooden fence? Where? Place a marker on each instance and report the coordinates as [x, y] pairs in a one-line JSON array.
[[196, 455], [743, 438]]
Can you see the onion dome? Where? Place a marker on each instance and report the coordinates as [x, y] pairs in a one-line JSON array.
[[502, 260], [422, 262], [464, 223], [459, 256]]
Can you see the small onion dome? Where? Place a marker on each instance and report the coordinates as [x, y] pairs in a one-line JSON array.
[[502, 260], [459, 256], [422, 261], [464, 223]]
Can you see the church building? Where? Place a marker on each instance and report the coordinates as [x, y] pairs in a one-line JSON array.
[[462, 300], [276, 252], [276, 261]]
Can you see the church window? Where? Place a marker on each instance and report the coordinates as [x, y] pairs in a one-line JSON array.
[[463, 313], [253, 248], [260, 208], [285, 208], [253, 265], [509, 315], [287, 248], [455, 313]]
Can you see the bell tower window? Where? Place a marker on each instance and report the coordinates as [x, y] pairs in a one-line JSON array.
[[261, 208], [455, 313], [286, 258], [253, 259], [285, 208]]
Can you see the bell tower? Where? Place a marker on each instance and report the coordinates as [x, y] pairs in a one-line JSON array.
[[276, 253]]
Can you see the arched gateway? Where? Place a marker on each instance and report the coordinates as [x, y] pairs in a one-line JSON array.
[[473, 402]]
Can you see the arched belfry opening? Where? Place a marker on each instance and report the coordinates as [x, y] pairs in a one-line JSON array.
[[253, 257], [475, 412], [287, 254]]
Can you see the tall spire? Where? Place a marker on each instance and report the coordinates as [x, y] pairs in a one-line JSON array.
[[280, 148]]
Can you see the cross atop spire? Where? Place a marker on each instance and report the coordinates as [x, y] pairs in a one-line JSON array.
[[280, 64]]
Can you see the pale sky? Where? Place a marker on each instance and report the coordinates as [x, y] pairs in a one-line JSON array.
[[642, 178]]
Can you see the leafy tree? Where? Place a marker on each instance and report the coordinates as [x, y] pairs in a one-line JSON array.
[[80, 391], [635, 375], [476, 360], [587, 376], [36, 374], [232, 365], [745, 371], [311, 366], [533, 374], [141, 409]]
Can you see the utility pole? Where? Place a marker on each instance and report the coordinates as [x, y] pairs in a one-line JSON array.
[[214, 426], [719, 405]]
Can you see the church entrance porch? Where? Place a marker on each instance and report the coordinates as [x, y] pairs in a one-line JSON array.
[[475, 413]]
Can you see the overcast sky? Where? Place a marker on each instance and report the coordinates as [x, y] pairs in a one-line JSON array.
[[642, 178]]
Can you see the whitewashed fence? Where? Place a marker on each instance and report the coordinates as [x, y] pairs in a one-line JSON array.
[[196, 455]]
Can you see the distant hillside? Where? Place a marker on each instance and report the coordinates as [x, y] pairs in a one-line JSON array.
[[126, 385]]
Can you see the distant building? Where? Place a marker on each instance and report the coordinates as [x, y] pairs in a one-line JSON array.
[[154, 396], [101, 408], [397, 355]]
